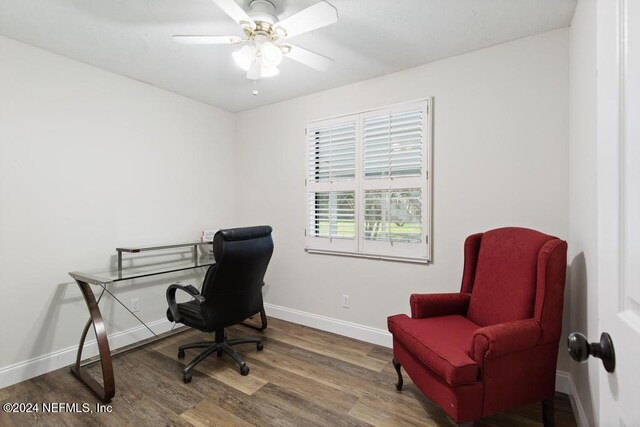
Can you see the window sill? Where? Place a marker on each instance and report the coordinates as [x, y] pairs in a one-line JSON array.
[[413, 260]]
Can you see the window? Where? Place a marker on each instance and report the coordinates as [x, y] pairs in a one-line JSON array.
[[368, 191]]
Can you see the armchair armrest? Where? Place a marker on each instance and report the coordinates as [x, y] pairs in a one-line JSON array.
[[432, 305], [171, 298], [502, 338]]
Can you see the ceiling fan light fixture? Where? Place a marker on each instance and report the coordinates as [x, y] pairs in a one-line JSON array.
[[258, 40], [268, 71], [258, 70], [245, 56], [255, 70], [271, 54]]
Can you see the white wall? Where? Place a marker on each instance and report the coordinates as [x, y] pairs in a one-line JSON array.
[[89, 161], [583, 225], [501, 155]]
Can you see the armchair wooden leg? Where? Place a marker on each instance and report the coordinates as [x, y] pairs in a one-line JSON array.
[[547, 412], [397, 365]]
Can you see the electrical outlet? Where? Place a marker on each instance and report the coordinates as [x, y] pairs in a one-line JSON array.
[[345, 301], [135, 304]]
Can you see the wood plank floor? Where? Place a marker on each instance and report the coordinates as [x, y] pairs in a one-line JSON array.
[[303, 377]]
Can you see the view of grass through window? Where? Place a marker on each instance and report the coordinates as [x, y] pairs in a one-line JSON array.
[[393, 215]]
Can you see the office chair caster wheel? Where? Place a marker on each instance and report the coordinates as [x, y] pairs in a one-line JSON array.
[[186, 378], [259, 346], [244, 370], [180, 354], [219, 352]]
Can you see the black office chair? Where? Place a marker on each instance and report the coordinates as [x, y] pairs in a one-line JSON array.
[[231, 292]]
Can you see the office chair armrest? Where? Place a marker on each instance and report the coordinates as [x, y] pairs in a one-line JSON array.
[[171, 298], [433, 305]]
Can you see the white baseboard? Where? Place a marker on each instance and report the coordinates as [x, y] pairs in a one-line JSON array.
[[563, 380], [576, 404], [31, 368], [324, 323]]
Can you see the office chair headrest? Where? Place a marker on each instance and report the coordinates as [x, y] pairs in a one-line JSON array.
[[236, 235], [245, 233]]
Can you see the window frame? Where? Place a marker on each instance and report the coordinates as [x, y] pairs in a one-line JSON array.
[[359, 246]]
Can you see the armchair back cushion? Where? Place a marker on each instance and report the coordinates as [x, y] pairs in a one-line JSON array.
[[505, 282]]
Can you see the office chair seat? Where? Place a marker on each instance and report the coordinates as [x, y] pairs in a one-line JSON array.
[[191, 313]]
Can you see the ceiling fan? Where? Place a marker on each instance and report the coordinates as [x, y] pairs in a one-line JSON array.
[[261, 50]]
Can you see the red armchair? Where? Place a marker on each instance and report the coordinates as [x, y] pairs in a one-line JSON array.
[[494, 345]]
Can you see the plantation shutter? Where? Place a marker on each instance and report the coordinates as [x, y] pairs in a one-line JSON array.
[[333, 214], [332, 152], [393, 144], [331, 184], [367, 183]]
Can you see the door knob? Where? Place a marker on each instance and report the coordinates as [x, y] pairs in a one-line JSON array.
[[580, 349]]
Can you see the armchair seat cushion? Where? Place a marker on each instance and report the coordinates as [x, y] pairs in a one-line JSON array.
[[441, 343]]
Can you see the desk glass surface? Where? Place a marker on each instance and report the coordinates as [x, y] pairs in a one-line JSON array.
[[110, 276]]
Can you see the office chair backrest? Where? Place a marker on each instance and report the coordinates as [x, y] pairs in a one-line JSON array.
[[233, 285]]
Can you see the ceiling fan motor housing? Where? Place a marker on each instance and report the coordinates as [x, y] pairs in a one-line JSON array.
[[263, 10]]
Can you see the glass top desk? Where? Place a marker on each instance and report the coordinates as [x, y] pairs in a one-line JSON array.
[[106, 390]]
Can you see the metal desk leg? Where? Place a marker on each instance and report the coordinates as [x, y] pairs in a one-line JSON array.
[[106, 390]]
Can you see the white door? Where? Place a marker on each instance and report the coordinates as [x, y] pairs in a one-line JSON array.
[[618, 38]]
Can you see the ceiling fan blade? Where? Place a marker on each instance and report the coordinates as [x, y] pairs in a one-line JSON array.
[[206, 39], [308, 58], [317, 16], [234, 10]]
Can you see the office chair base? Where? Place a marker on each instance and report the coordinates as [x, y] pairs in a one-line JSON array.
[[219, 348], [263, 321]]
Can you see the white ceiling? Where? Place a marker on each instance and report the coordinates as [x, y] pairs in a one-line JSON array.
[[371, 38]]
